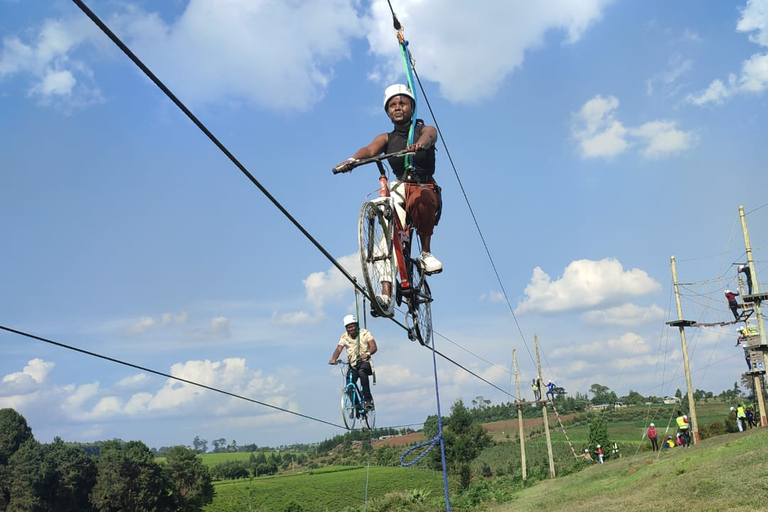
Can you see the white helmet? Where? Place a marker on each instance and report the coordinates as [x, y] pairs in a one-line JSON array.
[[598, 446], [397, 90], [653, 425], [728, 290], [349, 319]]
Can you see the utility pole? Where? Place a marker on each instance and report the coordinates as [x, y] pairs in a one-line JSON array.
[[682, 324], [757, 367], [520, 430], [544, 412]]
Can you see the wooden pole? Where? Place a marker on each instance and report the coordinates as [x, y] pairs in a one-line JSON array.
[[544, 413], [760, 326], [521, 431], [691, 403]]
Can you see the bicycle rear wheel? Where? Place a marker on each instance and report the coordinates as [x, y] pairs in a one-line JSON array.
[[348, 407], [420, 306], [369, 419], [377, 256]]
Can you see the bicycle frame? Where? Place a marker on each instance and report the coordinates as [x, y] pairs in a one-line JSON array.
[[352, 390], [400, 234]]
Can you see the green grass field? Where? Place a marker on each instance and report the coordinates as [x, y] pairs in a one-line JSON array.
[[332, 489], [633, 482], [726, 472]]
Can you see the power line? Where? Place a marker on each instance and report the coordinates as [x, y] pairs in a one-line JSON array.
[[167, 375]]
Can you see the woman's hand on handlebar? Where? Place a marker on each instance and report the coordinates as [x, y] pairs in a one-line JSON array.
[[345, 166]]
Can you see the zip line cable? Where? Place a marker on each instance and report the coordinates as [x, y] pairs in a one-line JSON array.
[[167, 375]]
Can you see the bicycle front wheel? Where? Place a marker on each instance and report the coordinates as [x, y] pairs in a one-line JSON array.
[[420, 306], [348, 408], [369, 419], [377, 256]]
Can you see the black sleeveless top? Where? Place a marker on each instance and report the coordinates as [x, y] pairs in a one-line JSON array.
[[423, 161]]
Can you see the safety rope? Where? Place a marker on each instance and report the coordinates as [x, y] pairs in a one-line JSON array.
[[408, 64], [562, 427], [438, 439]]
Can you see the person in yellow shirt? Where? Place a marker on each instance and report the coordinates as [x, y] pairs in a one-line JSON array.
[[360, 346]]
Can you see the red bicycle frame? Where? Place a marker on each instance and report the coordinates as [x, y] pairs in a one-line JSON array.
[[401, 235]]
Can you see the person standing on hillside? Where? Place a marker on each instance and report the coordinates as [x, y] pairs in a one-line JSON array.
[[360, 346], [599, 453], [732, 303], [741, 418], [653, 435], [683, 430]]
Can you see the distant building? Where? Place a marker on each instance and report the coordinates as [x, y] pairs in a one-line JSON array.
[[671, 400]]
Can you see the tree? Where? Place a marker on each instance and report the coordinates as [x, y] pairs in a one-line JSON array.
[[129, 480], [219, 445], [598, 432], [14, 432], [30, 477], [678, 393], [200, 445], [189, 478], [633, 397], [75, 474], [464, 438]]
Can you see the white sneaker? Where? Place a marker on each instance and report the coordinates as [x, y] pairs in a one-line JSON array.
[[430, 264], [384, 301]]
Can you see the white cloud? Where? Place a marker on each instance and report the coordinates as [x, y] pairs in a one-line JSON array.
[[29, 380], [628, 344], [662, 138], [147, 323], [275, 55], [331, 285], [754, 70], [56, 77], [492, 297], [281, 55], [93, 403], [626, 315], [585, 284], [600, 134], [493, 36]]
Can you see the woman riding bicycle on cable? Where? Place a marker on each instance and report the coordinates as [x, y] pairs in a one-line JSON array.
[[415, 191], [360, 346]]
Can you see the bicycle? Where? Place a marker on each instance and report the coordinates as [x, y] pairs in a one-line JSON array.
[[352, 404], [382, 259]]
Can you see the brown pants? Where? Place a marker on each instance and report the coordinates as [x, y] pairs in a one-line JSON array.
[[419, 200]]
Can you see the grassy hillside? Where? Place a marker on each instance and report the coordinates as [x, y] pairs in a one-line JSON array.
[[726, 472]]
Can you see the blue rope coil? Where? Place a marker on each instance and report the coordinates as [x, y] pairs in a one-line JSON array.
[[435, 441]]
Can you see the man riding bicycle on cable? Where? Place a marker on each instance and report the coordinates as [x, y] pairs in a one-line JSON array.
[[415, 191], [360, 346]]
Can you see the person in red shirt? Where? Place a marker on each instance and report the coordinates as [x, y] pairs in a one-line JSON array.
[[652, 435], [731, 296]]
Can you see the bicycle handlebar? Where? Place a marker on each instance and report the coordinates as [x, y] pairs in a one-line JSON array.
[[348, 166]]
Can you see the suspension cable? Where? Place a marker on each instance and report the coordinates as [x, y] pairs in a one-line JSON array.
[[166, 375]]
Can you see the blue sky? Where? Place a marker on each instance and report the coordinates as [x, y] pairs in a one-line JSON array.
[[594, 140]]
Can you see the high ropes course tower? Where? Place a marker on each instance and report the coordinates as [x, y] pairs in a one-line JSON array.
[[752, 337]]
